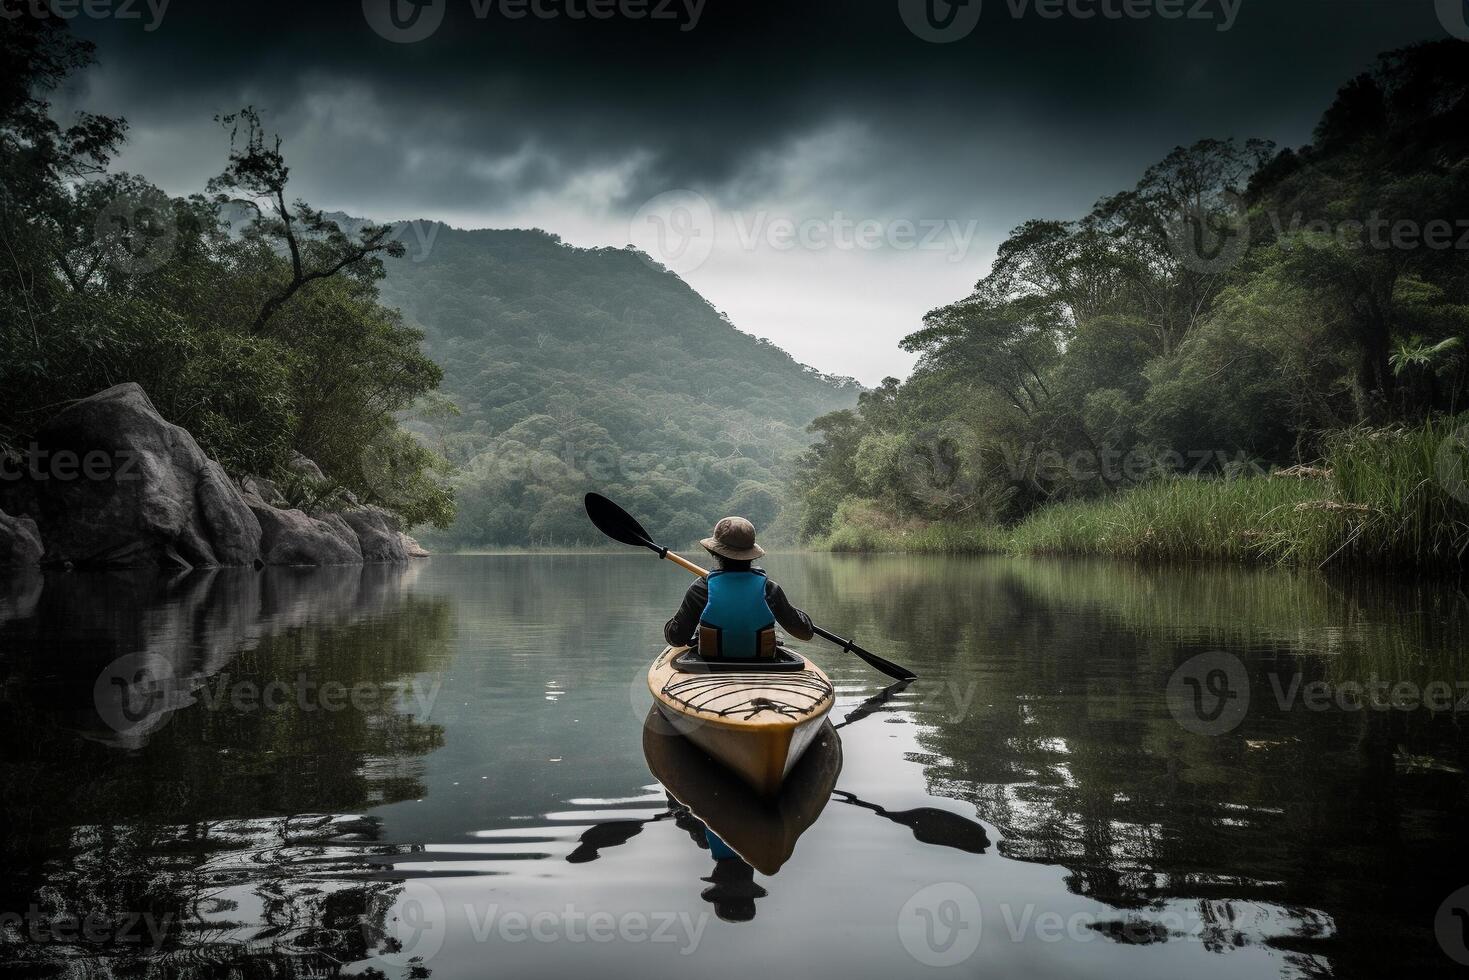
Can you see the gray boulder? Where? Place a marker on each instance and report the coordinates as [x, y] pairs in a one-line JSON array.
[[123, 488], [305, 467], [377, 534], [20, 542], [20, 593], [265, 489], [290, 537], [412, 548]]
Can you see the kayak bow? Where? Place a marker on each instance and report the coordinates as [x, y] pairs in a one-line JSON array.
[[757, 722]]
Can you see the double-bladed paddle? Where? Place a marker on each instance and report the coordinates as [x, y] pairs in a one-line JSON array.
[[619, 525]]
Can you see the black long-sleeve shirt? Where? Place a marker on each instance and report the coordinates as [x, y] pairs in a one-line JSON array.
[[682, 628]]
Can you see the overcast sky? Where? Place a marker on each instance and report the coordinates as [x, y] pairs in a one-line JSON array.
[[823, 172]]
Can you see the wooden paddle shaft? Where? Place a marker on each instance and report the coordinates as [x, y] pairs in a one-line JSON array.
[[685, 564]]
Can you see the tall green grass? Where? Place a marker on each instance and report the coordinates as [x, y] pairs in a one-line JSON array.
[[1177, 520], [1393, 498]]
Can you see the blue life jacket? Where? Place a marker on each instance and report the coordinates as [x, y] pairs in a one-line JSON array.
[[737, 623], [718, 848]]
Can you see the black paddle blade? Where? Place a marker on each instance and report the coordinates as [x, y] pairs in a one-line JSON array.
[[616, 523], [931, 826], [945, 829], [608, 834], [896, 671]]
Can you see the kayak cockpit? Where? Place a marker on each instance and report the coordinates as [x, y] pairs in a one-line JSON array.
[[784, 662]]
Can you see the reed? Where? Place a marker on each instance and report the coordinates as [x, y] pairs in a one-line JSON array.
[[1381, 497]]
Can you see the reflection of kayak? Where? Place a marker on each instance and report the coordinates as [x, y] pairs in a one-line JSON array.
[[761, 830], [757, 721]]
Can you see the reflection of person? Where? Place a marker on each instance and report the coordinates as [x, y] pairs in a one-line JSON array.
[[732, 889], [732, 613]]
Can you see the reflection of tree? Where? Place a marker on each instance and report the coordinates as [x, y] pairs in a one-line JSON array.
[[1271, 833], [221, 827], [207, 899]]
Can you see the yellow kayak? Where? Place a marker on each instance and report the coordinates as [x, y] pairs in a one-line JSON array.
[[757, 722], [762, 830]]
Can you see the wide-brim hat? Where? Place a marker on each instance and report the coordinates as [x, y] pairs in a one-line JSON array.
[[734, 538]]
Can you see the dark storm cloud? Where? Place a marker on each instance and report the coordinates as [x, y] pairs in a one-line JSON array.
[[488, 108], [816, 114]]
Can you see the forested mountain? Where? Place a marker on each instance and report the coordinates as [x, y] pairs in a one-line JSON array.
[[568, 369]]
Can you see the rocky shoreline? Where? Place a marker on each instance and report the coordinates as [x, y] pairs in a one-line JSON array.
[[111, 484]]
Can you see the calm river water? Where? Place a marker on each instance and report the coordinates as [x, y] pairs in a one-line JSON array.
[[441, 770]]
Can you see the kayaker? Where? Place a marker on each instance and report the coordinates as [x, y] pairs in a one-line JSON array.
[[732, 614]]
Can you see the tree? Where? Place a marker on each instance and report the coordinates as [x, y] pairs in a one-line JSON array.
[[1180, 232], [315, 246]]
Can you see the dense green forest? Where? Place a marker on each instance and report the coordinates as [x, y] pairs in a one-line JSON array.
[[568, 369], [261, 335], [1241, 309]]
